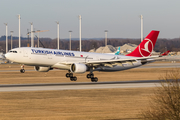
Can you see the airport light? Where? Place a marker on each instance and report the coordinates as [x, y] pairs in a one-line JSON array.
[[38, 37], [106, 37], [38, 31], [70, 40], [11, 39], [19, 17], [57, 34], [6, 37], [141, 28], [80, 33], [32, 36], [28, 37]]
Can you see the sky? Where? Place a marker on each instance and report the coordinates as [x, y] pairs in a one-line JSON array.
[[120, 17]]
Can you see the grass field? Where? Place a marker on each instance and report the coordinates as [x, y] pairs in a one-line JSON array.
[[106, 104]]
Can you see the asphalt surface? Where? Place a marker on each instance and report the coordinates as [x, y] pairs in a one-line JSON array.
[[77, 85], [88, 85], [161, 65]]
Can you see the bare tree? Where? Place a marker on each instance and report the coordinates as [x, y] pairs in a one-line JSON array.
[[165, 103]]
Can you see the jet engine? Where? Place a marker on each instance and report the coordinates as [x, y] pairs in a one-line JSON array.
[[78, 68], [42, 69]]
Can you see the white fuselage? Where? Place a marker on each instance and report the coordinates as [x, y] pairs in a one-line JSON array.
[[62, 59]]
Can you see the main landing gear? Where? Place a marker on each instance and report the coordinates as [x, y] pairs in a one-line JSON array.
[[70, 75], [93, 79], [22, 70], [91, 75]]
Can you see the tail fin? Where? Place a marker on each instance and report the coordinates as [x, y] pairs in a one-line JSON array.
[[118, 51], [145, 48], [166, 53]]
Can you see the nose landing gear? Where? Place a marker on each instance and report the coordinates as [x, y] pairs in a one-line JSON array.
[[22, 70]]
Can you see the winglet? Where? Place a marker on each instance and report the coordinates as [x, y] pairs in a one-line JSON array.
[[145, 48]]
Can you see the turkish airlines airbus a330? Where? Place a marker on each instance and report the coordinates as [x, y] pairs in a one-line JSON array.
[[79, 62]]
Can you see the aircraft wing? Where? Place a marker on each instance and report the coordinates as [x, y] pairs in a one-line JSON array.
[[115, 60]]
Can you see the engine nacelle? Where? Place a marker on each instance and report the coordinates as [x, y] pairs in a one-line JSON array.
[[78, 68], [42, 69]]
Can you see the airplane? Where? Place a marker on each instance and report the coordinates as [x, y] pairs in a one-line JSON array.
[[44, 59], [165, 53], [118, 51]]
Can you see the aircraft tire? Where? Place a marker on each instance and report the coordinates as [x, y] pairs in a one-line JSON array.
[[88, 76], [91, 75], [95, 79], [22, 71], [75, 78], [71, 78], [70, 74], [67, 75]]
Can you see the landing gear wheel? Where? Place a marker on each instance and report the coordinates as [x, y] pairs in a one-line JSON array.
[[94, 79], [70, 74], [22, 70], [67, 75], [90, 76], [73, 78]]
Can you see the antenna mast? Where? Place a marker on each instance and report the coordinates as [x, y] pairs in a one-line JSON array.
[[141, 28], [80, 33], [19, 17]]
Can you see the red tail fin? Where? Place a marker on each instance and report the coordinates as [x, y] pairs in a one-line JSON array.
[[166, 53], [145, 48]]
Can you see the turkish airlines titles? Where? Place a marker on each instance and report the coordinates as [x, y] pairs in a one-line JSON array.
[[34, 51]]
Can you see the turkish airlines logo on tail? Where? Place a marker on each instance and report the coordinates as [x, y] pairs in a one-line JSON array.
[[146, 47]]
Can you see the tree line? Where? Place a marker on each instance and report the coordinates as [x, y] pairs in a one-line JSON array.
[[162, 45]]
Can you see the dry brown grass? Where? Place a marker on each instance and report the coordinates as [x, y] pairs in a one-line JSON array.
[[106, 104], [74, 104]]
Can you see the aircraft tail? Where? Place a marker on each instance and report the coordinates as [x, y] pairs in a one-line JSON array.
[[118, 51], [166, 53], [145, 48]]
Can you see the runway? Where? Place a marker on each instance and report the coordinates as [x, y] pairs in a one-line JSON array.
[[78, 86], [161, 65], [87, 85]]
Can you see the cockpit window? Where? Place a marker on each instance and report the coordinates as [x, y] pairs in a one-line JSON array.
[[13, 51]]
